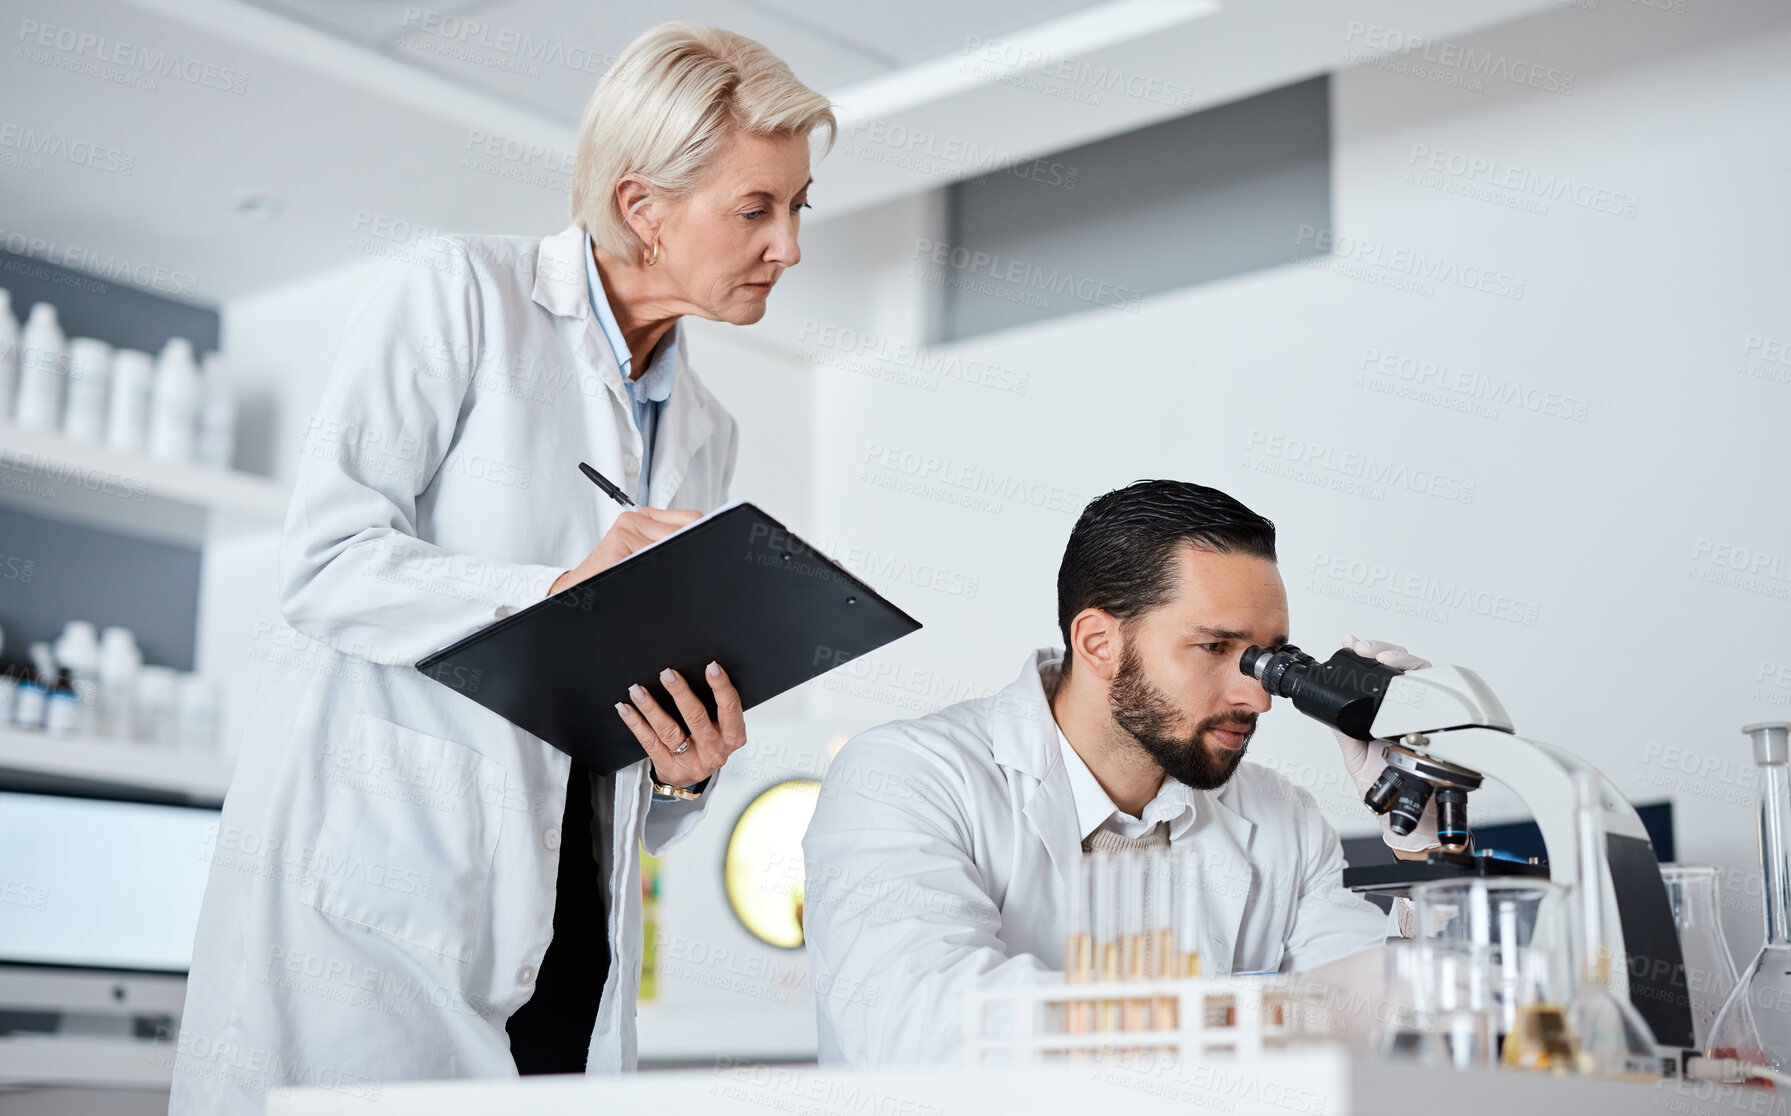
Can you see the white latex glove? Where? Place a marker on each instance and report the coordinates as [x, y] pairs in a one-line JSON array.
[[1365, 760]]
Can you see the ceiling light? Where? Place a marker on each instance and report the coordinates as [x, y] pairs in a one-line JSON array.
[[1030, 48]]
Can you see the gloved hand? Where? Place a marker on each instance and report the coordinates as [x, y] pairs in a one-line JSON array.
[[1365, 760]]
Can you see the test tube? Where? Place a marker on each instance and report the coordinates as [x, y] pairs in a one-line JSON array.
[[1159, 924], [1188, 902], [1078, 942], [1104, 916], [1133, 943]]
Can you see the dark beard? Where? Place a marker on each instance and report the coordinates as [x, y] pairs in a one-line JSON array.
[[1150, 717]]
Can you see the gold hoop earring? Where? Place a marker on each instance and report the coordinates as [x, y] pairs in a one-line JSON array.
[[654, 258]]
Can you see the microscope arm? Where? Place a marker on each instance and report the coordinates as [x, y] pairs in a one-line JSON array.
[[1432, 699], [1463, 723]]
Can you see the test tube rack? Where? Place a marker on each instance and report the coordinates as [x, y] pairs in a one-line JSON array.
[[1234, 1016]]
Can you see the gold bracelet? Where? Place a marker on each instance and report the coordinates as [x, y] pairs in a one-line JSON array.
[[688, 794]]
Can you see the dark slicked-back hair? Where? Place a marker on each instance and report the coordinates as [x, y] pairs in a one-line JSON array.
[[1120, 557]]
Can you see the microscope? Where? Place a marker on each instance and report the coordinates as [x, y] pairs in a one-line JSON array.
[[1448, 734]]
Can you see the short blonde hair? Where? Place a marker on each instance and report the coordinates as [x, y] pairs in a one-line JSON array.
[[666, 109]]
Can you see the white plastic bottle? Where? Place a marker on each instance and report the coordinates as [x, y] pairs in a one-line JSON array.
[[119, 662], [156, 725], [89, 369], [28, 702], [9, 355], [43, 365], [78, 652], [34, 690], [174, 402], [199, 716], [215, 447], [127, 412], [62, 707]]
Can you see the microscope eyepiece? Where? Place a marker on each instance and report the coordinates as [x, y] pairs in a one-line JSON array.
[[1344, 692], [1252, 655]]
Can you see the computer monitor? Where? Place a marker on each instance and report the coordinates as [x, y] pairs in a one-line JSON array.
[[101, 884], [99, 899]]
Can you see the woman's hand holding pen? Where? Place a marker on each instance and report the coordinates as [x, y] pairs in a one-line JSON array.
[[681, 758], [632, 531]]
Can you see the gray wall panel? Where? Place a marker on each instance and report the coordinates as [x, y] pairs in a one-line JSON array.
[[52, 572], [120, 314], [1205, 196]]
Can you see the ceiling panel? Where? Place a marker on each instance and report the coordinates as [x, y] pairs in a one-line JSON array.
[[365, 21], [915, 30], [346, 170], [548, 54]]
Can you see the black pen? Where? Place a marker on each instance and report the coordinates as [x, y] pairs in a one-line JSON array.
[[603, 482]]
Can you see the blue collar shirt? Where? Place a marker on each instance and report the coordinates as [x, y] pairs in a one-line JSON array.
[[647, 394]]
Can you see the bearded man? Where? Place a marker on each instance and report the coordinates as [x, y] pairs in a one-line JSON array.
[[942, 848]]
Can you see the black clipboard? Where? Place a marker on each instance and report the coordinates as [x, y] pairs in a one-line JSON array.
[[736, 587]]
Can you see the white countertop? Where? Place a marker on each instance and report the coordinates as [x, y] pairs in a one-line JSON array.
[[1320, 1081]]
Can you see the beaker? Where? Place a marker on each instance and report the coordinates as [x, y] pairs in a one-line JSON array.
[[1709, 969], [1511, 937], [1755, 1022]]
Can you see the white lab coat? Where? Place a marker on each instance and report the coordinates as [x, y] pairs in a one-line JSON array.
[[382, 883], [939, 855]]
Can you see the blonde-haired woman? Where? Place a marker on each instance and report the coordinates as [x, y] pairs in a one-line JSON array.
[[403, 884]]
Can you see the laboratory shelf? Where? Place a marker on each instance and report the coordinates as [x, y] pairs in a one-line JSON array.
[[83, 763], [81, 482]]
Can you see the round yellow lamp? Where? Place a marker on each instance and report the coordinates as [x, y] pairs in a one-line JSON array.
[[763, 867]]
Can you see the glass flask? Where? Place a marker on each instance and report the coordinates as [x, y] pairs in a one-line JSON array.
[[1609, 1035], [1408, 1033], [1755, 1022], [1709, 969], [1539, 1038], [1459, 1003]]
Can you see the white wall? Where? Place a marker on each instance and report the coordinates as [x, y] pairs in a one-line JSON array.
[[1585, 543]]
